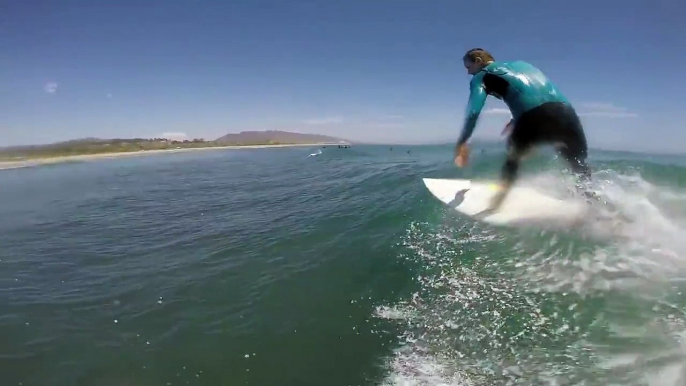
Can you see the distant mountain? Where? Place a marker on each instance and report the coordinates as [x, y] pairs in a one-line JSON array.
[[276, 136], [56, 144], [242, 138]]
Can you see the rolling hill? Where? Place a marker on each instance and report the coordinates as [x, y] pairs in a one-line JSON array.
[[276, 136]]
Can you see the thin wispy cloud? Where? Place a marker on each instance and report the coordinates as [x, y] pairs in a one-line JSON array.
[[587, 109], [323, 121], [50, 88], [386, 125], [385, 121], [497, 111], [109, 96], [595, 109], [174, 136]]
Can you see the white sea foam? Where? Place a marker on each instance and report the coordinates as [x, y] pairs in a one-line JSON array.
[[576, 308]]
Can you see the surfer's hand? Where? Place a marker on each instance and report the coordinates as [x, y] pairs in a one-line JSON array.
[[462, 155], [508, 128]]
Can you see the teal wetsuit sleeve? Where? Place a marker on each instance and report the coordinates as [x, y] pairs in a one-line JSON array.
[[477, 99]]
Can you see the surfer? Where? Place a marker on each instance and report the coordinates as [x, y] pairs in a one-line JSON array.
[[541, 115]]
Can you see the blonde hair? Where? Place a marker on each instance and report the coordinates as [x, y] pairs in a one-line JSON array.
[[479, 53]]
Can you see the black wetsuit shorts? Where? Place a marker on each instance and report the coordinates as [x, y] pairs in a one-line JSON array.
[[552, 123]]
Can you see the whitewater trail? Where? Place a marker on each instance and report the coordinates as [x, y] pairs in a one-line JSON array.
[[499, 307]]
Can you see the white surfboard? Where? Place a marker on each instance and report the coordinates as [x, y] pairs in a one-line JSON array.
[[522, 206]]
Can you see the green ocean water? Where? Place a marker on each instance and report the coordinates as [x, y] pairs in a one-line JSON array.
[[274, 267]]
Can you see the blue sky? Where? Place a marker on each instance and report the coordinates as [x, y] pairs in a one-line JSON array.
[[387, 71]]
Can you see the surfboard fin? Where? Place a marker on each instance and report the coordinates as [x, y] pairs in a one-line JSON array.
[[459, 197]]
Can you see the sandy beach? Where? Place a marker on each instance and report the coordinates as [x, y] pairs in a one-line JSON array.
[[91, 157]]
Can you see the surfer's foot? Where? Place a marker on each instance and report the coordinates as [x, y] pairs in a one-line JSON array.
[[604, 208], [584, 191], [590, 196]]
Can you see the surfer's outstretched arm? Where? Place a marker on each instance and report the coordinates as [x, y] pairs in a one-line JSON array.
[[477, 99]]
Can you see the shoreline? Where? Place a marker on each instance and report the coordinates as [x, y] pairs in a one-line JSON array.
[[89, 157]]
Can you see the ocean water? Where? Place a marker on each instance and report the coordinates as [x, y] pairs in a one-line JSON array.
[[307, 266]]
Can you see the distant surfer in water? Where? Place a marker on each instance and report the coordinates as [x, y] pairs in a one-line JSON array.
[[541, 115]]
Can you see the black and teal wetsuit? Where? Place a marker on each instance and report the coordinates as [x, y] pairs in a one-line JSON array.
[[540, 112]]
